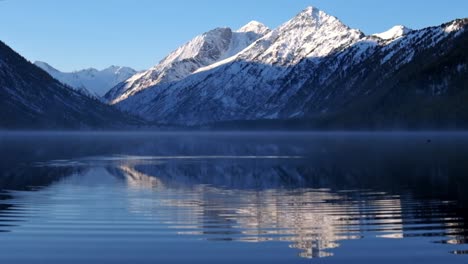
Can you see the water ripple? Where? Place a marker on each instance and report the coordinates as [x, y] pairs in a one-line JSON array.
[[137, 200]]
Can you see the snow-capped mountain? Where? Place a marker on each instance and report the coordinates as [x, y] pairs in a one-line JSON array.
[[311, 67], [90, 81], [31, 99], [393, 33], [232, 88], [203, 50]]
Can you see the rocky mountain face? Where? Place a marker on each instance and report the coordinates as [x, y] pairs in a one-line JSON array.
[[90, 81], [31, 99], [203, 50], [315, 69]]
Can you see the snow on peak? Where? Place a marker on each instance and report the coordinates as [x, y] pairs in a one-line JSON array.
[[255, 27], [393, 33], [202, 50], [314, 17], [310, 34], [310, 10], [202, 46]]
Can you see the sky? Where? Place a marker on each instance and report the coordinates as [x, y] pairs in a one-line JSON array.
[[72, 35]]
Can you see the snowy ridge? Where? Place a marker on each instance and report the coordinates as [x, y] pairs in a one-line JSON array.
[[206, 49], [90, 81], [393, 33], [427, 37]]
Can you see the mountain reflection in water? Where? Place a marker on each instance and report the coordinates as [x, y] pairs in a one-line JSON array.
[[315, 194], [261, 201]]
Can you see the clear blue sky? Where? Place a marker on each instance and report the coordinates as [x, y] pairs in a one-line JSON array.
[[76, 34]]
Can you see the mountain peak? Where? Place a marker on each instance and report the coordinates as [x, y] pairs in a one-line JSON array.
[[395, 32], [45, 66], [313, 12], [113, 67], [119, 69], [255, 27], [310, 10], [315, 18]]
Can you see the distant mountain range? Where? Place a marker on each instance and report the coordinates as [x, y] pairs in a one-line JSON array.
[[90, 81], [311, 72], [31, 99]]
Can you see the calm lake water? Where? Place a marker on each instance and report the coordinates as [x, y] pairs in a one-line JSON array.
[[233, 198]]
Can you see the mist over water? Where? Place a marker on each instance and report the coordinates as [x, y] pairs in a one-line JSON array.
[[255, 197]]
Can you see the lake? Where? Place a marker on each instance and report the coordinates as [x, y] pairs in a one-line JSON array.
[[233, 197]]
